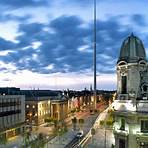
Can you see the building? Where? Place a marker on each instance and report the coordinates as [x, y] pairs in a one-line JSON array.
[[37, 110], [131, 104], [41, 106], [12, 115], [59, 107], [9, 91], [78, 99]]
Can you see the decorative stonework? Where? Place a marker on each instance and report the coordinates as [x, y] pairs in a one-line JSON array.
[[131, 105]]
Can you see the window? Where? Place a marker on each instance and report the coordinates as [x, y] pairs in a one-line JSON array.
[[143, 144], [124, 85], [33, 113], [122, 63], [121, 143], [144, 88], [144, 126], [122, 124]]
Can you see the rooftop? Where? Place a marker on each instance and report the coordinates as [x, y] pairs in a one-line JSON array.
[[132, 50]]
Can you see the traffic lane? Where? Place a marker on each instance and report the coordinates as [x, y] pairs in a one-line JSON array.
[[82, 115], [89, 123], [85, 114], [74, 142]]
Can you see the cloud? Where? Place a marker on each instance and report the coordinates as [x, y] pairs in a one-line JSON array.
[[5, 44], [10, 17], [138, 20], [29, 33], [22, 3], [60, 42]]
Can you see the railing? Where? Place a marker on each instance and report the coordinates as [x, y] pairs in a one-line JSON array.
[[123, 97], [131, 105], [85, 139], [121, 132], [142, 134]]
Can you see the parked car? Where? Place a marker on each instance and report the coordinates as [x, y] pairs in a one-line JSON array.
[[79, 134]]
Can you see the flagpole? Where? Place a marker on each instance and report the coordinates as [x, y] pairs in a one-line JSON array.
[[95, 91]]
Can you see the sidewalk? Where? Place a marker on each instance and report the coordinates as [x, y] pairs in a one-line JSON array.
[[14, 142], [103, 136], [61, 141]]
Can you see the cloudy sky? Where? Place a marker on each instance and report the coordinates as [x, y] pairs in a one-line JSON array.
[[48, 44]]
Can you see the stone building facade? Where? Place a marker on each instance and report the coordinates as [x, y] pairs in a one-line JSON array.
[[131, 104], [37, 110], [40, 108]]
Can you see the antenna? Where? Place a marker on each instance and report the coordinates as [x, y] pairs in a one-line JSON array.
[[94, 55]]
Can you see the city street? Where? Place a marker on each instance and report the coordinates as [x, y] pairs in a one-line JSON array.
[[65, 139], [61, 141], [69, 138]]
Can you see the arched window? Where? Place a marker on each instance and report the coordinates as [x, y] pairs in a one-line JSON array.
[[142, 62], [122, 63], [123, 84]]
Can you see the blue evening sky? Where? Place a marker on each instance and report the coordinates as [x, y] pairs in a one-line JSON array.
[[48, 44]]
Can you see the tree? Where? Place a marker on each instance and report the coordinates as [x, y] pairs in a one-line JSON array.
[[55, 123], [26, 137], [74, 122], [81, 122], [102, 122], [3, 139], [48, 120], [109, 123], [41, 140]]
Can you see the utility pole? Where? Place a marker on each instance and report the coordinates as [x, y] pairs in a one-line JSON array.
[[94, 56]]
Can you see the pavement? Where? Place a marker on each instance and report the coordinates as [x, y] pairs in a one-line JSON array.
[[17, 141], [103, 137]]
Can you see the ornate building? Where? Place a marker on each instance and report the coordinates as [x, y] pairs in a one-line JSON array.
[[131, 104]]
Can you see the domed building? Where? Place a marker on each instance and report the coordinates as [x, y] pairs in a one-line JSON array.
[[131, 104]]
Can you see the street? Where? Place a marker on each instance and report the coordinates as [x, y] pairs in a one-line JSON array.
[[68, 138]]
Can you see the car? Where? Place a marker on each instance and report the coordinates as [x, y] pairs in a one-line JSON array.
[[79, 134]]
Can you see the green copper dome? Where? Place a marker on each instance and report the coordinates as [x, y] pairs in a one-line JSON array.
[[132, 50]]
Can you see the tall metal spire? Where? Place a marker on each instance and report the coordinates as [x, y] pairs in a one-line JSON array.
[[95, 93]]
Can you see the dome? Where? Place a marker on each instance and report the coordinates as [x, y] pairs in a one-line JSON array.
[[132, 50]]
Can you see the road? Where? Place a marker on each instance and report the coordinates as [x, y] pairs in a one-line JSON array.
[[68, 138], [89, 120]]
